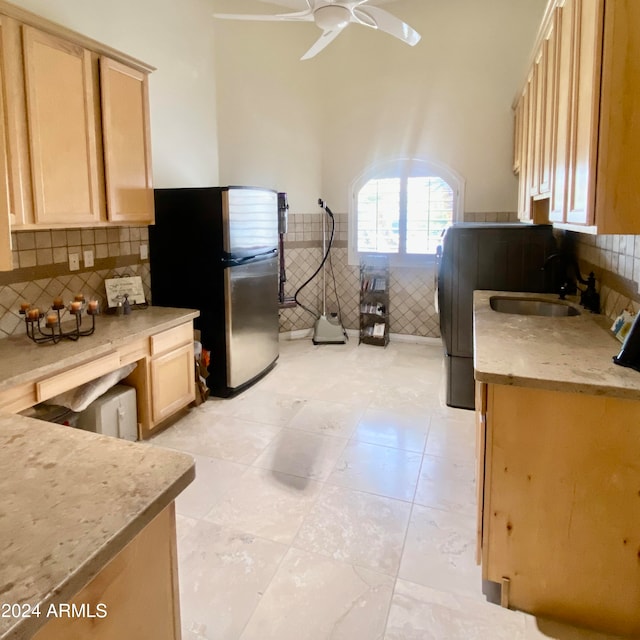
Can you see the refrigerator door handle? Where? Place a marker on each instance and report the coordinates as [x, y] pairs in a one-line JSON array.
[[229, 260]]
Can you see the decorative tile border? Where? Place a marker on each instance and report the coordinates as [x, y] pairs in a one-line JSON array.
[[41, 270]]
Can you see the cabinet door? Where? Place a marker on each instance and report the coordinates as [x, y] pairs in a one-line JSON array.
[[524, 197], [517, 136], [127, 147], [563, 87], [62, 130], [481, 438], [617, 195], [584, 110], [6, 260], [535, 123], [547, 107], [172, 382]]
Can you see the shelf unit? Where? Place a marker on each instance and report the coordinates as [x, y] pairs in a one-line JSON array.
[[374, 300]]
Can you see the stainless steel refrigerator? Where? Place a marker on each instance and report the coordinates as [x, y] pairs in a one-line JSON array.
[[215, 249], [499, 257]]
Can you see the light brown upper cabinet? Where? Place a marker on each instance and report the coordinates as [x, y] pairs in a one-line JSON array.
[[127, 148], [564, 15], [62, 130], [517, 136], [76, 129], [595, 133], [584, 108], [6, 262], [545, 106], [524, 166]]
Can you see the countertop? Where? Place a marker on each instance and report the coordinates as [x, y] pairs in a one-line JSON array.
[[571, 354], [21, 360], [71, 500]]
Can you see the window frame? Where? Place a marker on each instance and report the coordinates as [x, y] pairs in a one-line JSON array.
[[402, 168]]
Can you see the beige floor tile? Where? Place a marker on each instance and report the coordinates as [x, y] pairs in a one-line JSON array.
[[266, 503], [266, 407], [302, 454], [339, 541], [452, 438], [358, 392], [439, 552], [357, 528], [223, 575], [401, 397], [401, 430], [219, 436], [316, 598], [214, 478], [447, 484], [326, 418], [381, 470], [421, 613]]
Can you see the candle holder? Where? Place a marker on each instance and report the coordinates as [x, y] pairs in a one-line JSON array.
[[52, 330]]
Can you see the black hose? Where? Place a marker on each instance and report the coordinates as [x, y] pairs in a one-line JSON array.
[[324, 259]]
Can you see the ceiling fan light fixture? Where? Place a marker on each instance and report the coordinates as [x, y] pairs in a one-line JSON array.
[[332, 16]]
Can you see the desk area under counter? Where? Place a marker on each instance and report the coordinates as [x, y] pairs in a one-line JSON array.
[[557, 466], [158, 339]]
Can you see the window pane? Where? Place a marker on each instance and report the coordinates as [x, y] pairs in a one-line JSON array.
[[379, 216], [429, 211]]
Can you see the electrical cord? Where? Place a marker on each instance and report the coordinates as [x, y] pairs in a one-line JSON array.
[[323, 205]]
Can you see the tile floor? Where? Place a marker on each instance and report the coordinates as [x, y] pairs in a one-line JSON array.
[[336, 499]]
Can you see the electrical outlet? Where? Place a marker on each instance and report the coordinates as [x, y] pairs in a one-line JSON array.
[[88, 258], [144, 251], [74, 262]]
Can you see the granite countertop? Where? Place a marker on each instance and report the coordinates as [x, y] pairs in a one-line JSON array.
[[571, 354], [71, 500], [21, 360]]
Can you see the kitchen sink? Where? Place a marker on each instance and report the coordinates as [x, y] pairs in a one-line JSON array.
[[533, 306]]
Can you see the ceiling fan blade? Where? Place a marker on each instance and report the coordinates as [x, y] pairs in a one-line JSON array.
[[298, 16], [381, 19], [325, 39]]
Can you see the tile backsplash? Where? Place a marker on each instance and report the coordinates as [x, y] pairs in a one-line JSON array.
[[41, 272], [41, 268], [41, 248], [411, 290]]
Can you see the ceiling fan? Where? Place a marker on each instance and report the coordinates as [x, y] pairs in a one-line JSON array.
[[332, 16]]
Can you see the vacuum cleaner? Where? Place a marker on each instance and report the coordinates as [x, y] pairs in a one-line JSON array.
[[327, 329]]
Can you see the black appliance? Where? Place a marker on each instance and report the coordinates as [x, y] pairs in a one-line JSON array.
[[498, 257], [215, 249], [629, 355]]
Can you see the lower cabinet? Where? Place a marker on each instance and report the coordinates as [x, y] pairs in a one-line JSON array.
[[164, 378], [137, 590], [559, 504], [172, 382]]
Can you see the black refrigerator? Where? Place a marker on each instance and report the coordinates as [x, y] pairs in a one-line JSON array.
[[215, 249], [499, 257]]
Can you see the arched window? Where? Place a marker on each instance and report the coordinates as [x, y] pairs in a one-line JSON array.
[[401, 207]]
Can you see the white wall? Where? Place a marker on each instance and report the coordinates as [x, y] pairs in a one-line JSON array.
[[368, 97], [177, 39], [270, 105]]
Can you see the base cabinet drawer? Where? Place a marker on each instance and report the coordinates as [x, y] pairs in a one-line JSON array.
[[172, 382]]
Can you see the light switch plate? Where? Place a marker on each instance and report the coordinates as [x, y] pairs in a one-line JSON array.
[[88, 258], [144, 251], [74, 262]]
